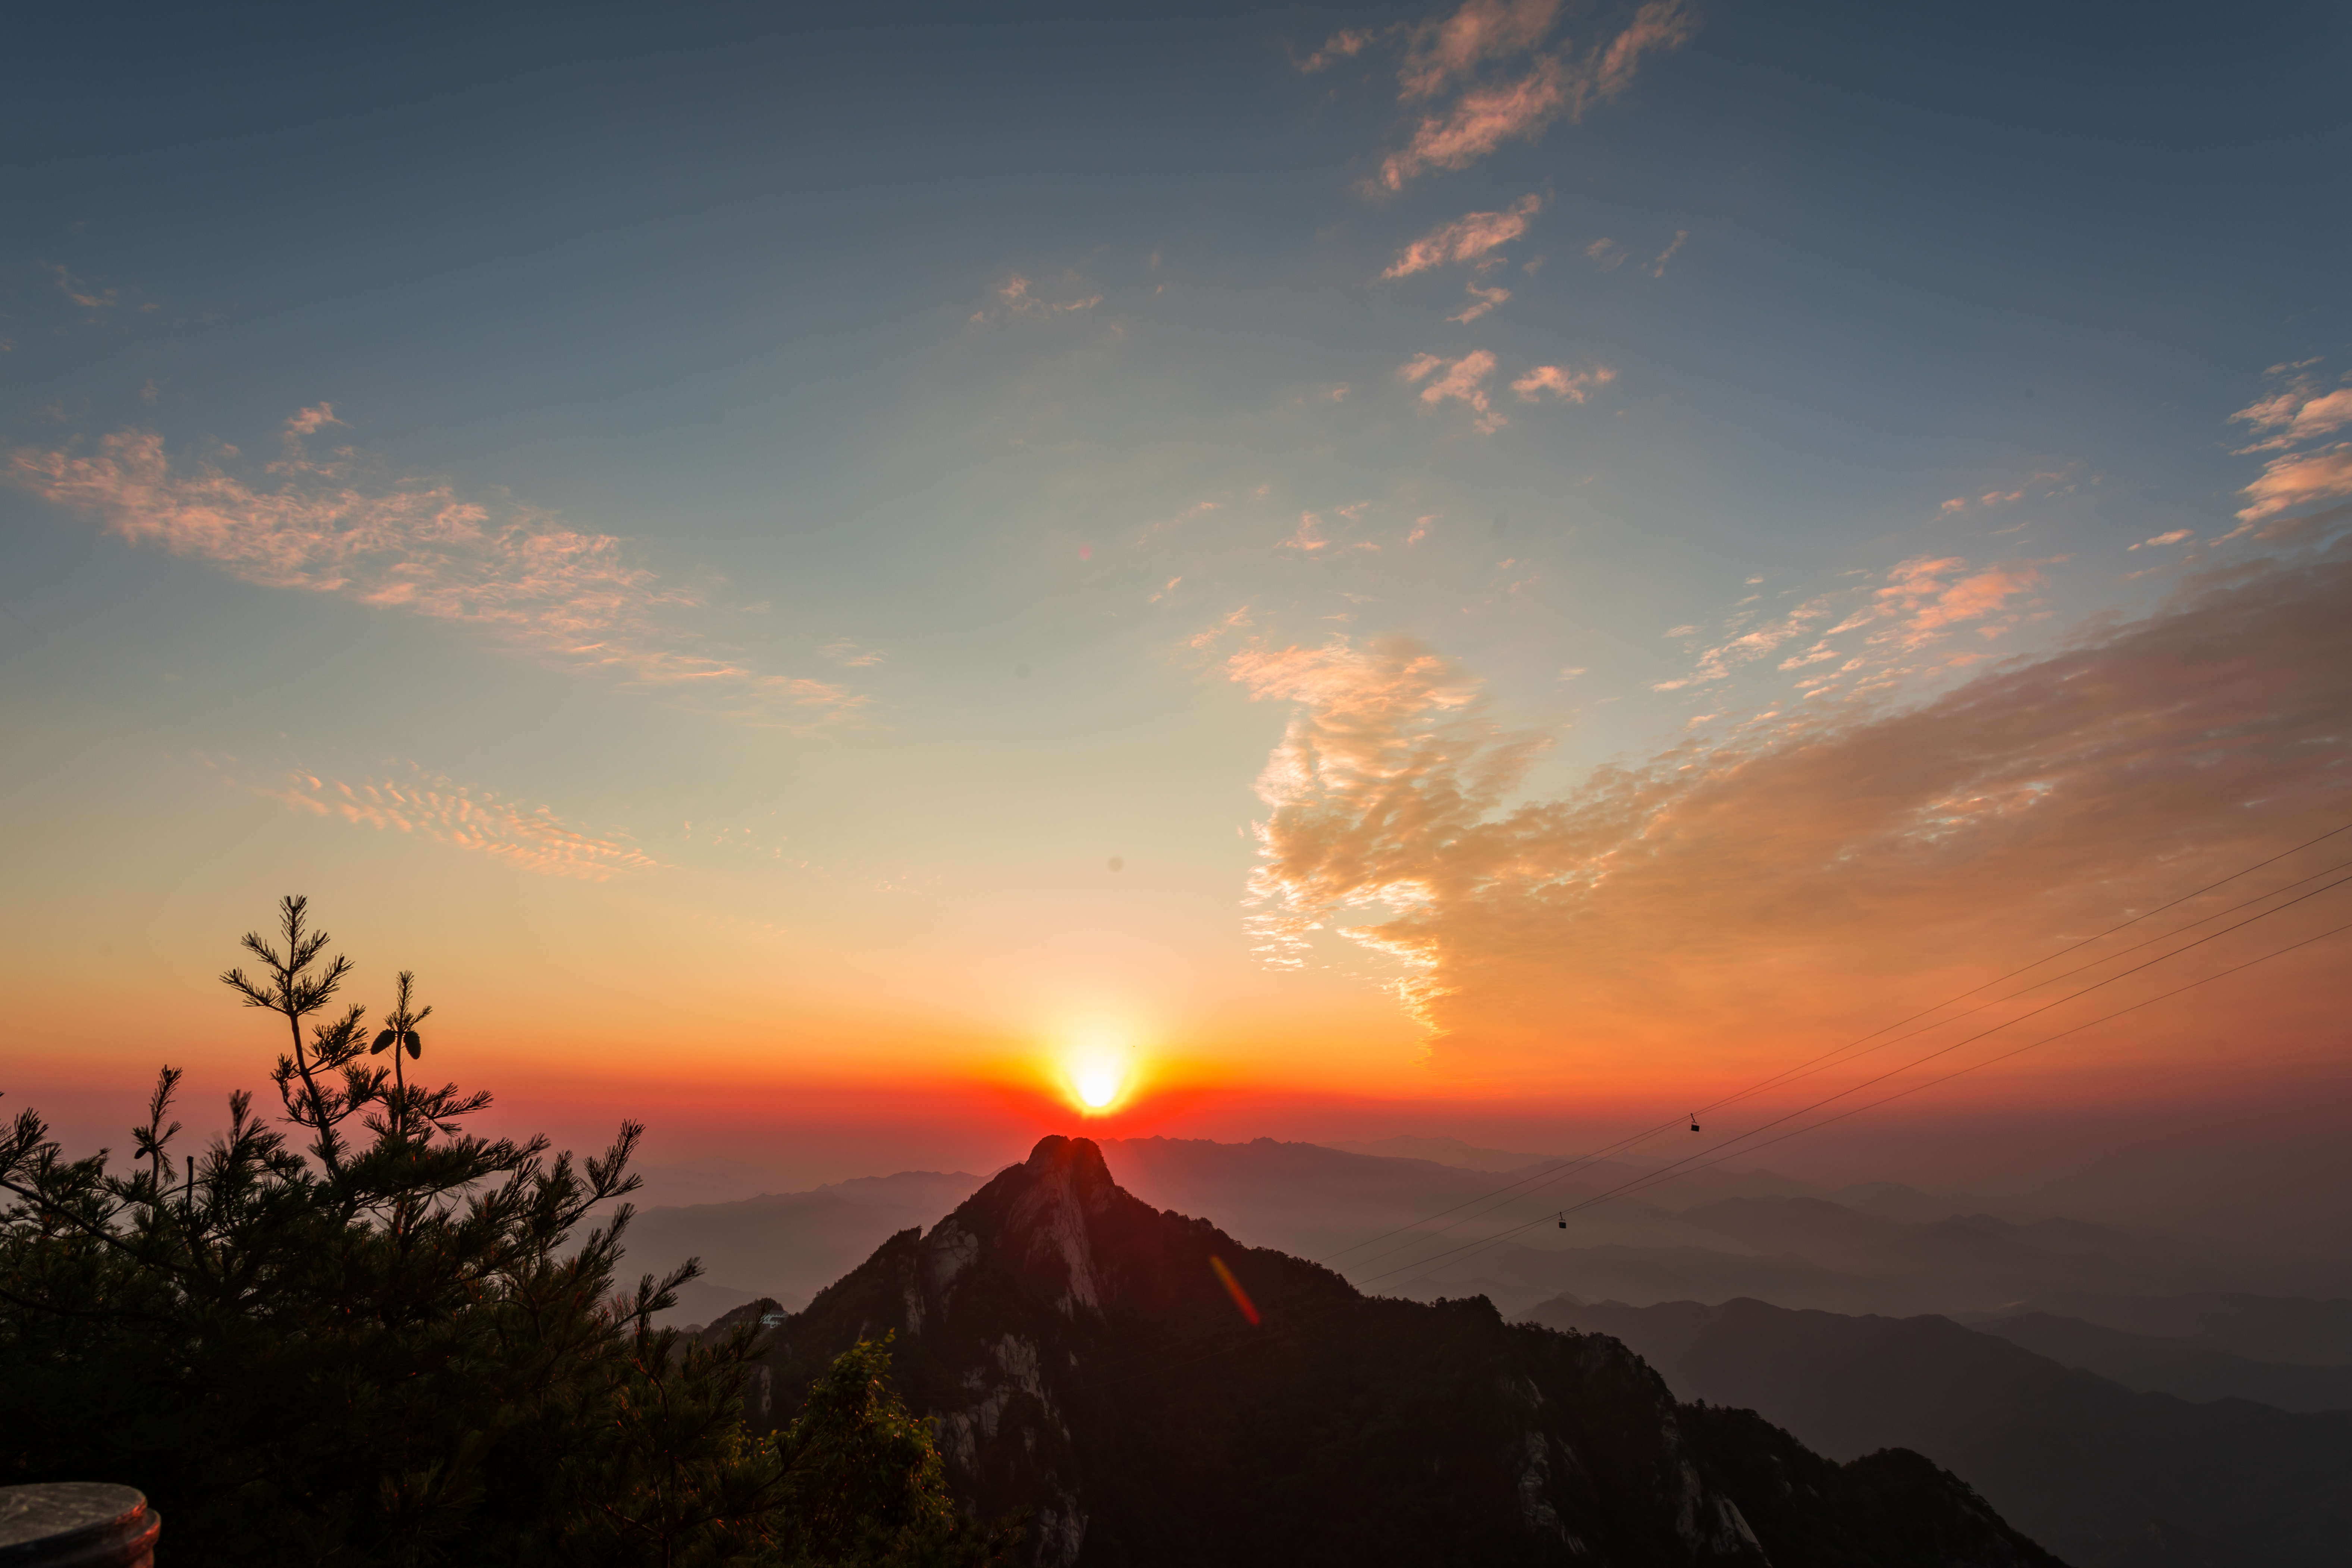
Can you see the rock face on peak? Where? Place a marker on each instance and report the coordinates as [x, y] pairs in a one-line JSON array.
[[1150, 1392]]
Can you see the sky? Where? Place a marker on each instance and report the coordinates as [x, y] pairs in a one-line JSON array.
[[833, 578]]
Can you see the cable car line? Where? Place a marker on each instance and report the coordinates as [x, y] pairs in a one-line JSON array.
[[1538, 1179], [1651, 1178], [1659, 1178]]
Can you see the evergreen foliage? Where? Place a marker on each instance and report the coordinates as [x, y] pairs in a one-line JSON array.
[[383, 1347]]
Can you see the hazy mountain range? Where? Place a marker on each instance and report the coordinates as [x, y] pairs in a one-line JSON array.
[[1151, 1390], [2076, 1461], [2093, 1393], [1719, 1234]]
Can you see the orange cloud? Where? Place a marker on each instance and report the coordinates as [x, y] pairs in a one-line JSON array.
[[1574, 385], [1462, 382], [571, 598], [1716, 897], [434, 808], [1483, 118], [1466, 238], [1481, 30]]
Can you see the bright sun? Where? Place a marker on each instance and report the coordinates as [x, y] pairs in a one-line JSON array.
[[1097, 1085]]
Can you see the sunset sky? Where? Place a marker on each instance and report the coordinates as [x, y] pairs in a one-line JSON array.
[[823, 575]]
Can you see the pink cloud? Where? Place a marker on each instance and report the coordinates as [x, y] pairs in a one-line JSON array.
[[1308, 535], [1480, 30], [1483, 299], [1657, 267], [1480, 122], [1344, 45], [1573, 385], [433, 808], [2295, 414], [569, 598], [309, 421], [1418, 366], [1465, 239], [1801, 879], [2292, 479], [1463, 381], [2175, 537]]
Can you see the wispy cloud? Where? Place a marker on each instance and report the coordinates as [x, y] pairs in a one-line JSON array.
[[1605, 254], [1466, 238], [2292, 412], [1551, 86], [1482, 300], [1657, 267], [1921, 603], [1462, 382], [849, 654], [1480, 122], [1801, 877], [1444, 52], [1344, 45], [1015, 298], [1575, 385], [571, 598], [431, 807]]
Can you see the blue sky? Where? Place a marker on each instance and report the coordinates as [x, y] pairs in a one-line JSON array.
[[906, 461]]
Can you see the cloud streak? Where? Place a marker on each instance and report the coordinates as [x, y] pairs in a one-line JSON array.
[[1552, 86], [1806, 876], [433, 808], [567, 598], [1466, 238]]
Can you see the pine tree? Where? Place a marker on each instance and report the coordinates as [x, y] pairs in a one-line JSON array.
[[383, 1347]]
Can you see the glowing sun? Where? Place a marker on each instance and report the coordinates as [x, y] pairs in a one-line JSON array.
[[1097, 1085]]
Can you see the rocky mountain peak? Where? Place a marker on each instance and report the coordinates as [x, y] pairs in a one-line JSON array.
[[1150, 1390]]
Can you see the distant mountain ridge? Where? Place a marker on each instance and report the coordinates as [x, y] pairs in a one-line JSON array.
[[1155, 1392], [2081, 1463]]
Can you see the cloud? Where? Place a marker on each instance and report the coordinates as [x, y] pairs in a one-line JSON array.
[[1446, 51], [1922, 601], [2175, 537], [432, 807], [1925, 598], [1345, 44], [1573, 385], [1482, 120], [2000, 498], [1019, 301], [1308, 535], [1657, 269], [1462, 382], [569, 598], [1466, 238], [1605, 254], [309, 421], [1958, 503], [1553, 87], [2292, 479], [1419, 365], [2295, 413], [1789, 886], [1486, 300], [845, 652]]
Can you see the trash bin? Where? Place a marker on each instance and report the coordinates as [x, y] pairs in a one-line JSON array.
[[77, 1524]]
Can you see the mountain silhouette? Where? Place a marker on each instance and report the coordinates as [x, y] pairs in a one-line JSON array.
[[1149, 1392], [2081, 1462]]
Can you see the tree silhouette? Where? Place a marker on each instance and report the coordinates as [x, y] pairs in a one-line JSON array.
[[390, 1348]]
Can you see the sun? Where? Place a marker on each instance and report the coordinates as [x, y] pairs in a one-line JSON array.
[[1098, 1085], [1099, 1076]]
